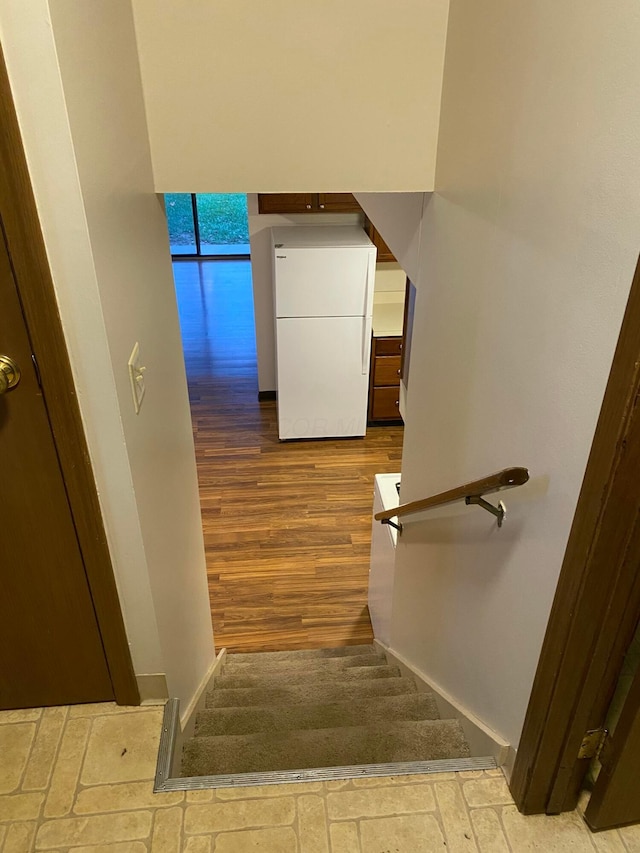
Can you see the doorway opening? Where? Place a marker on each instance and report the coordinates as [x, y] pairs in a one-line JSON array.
[[287, 525], [207, 225]]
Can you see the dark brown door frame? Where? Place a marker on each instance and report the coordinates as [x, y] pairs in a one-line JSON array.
[[597, 602], [33, 277]]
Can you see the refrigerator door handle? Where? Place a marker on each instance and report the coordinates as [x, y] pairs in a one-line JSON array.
[[366, 343]]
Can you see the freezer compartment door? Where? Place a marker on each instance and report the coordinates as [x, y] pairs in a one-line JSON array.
[[322, 387], [324, 282]]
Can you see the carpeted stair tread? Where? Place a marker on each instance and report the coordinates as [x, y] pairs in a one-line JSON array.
[[299, 676], [282, 693], [327, 747], [300, 654], [231, 666], [283, 718]]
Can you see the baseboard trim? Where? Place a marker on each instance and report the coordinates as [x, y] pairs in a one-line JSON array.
[[177, 727], [481, 739], [197, 703], [510, 760], [152, 688]]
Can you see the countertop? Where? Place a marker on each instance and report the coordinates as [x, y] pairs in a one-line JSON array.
[[387, 319]]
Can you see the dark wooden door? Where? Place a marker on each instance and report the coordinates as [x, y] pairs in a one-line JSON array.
[[51, 651], [615, 800]]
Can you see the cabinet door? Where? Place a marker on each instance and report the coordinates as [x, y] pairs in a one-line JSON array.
[[385, 404], [338, 203], [286, 202]]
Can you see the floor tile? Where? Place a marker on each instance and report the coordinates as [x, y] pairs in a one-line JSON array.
[[167, 831], [631, 838], [15, 745], [220, 817], [488, 831], [200, 796], [20, 838], [103, 709], [487, 792], [348, 805], [392, 781], [198, 844], [312, 824], [565, 833], [20, 716], [100, 829], [118, 847], [45, 749], [127, 796], [122, 748], [64, 780], [344, 838], [281, 840], [610, 841], [21, 806], [258, 791], [405, 834], [455, 818]]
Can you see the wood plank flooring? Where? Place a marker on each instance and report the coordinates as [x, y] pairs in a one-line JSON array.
[[287, 525]]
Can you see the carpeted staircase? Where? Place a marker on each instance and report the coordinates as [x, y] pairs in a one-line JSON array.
[[276, 711]]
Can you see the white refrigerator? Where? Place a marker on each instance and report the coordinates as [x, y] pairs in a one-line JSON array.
[[323, 283]]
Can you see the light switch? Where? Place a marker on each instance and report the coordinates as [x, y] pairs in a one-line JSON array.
[[136, 377]]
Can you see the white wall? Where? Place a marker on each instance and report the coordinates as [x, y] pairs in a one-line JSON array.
[[527, 254], [289, 96], [82, 117]]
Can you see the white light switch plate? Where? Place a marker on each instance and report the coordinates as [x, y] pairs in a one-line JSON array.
[[136, 377]]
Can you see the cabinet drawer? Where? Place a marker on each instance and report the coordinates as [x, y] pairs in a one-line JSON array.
[[388, 346], [386, 370], [386, 403]]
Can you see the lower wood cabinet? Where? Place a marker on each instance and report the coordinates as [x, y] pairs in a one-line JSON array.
[[384, 381]]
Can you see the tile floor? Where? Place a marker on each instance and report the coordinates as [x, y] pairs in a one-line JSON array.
[[80, 779]]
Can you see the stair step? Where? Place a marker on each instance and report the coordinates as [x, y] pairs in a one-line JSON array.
[[231, 666], [309, 693], [283, 718], [308, 654], [328, 747], [298, 676]]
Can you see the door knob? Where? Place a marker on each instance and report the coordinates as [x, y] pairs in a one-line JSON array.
[[9, 374]]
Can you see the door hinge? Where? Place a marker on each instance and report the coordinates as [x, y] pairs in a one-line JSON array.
[[593, 741]]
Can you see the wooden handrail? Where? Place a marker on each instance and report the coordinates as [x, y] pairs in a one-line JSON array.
[[505, 479]]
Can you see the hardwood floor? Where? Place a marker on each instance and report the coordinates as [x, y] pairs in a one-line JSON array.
[[287, 525]]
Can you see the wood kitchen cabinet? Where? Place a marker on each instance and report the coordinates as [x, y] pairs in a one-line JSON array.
[[307, 203], [384, 379], [385, 254]]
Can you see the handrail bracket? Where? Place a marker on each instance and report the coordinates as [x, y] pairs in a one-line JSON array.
[[499, 511], [388, 521]]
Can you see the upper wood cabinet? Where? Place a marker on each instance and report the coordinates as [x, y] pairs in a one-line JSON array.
[[307, 203], [338, 203], [384, 252]]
